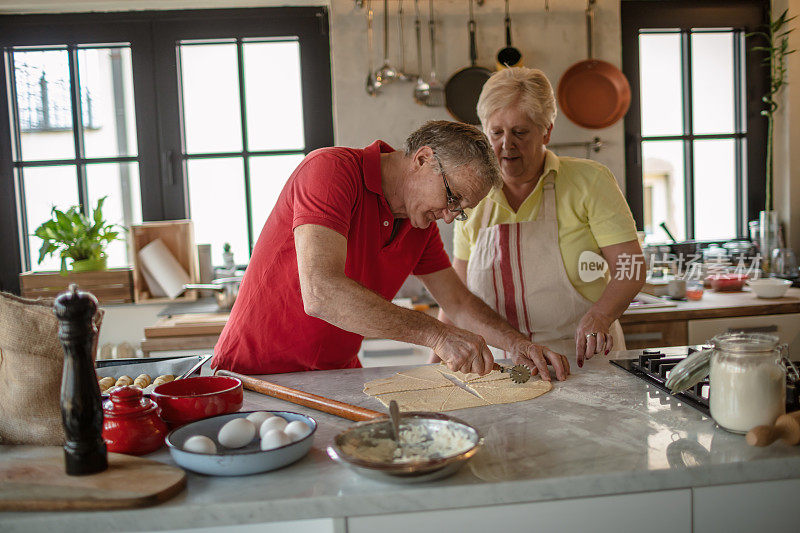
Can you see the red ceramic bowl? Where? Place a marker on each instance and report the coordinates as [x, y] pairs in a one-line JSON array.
[[186, 400], [727, 282]]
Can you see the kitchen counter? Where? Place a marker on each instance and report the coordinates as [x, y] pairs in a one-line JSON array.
[[602, 432]]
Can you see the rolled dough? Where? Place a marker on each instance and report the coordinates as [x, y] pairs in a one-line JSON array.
[[426, 388]]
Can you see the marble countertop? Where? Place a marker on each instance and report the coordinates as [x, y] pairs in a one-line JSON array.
[[601, 432]]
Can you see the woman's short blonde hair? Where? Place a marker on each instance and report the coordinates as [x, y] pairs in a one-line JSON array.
[[528, 88]]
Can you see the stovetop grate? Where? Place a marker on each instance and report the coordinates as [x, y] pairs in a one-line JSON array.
[[654, 364]]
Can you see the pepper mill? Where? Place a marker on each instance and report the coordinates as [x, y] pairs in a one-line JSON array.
[[81, 408]]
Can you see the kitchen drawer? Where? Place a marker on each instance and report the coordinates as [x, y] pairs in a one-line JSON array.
[[786, 327], [654, 334]]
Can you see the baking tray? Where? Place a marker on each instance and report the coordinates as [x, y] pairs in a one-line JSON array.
[[179, 366]]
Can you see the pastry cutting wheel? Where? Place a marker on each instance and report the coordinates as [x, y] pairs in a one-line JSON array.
[[518, 373]]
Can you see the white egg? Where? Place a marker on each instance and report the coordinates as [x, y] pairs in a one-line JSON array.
[[296, 430], [274, 438], [275, 422], [237, 433], [258, 418], [200, 444]]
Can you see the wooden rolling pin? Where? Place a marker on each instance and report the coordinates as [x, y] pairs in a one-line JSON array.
[[320, 403], [786, 428]]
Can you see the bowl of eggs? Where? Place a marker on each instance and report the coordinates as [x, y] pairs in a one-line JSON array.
[[242, 443]]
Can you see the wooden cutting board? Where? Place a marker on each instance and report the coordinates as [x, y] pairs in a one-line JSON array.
[[32, 478], [182, 325]]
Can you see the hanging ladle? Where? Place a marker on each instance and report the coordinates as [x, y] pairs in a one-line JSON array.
[[422, 90], [387, 73], [373, 83]]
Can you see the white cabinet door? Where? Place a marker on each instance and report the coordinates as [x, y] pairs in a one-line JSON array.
[[653, 512], [786, 327], [767, 506]]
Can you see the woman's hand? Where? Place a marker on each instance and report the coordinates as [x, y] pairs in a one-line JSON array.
[[592, 336], [537, 357]]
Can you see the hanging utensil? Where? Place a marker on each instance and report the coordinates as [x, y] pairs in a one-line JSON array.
[[421, 90], [508, 56], [593, 93], [387, 73], [464, 88], [401, 70], [373, 84], [436, 96]]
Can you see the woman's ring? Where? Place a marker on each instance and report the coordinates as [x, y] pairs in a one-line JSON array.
[[592, 334]]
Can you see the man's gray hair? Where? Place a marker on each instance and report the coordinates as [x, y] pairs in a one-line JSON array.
[[457, 144]]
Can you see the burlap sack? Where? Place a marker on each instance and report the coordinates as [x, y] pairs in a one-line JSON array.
[[31, 363]]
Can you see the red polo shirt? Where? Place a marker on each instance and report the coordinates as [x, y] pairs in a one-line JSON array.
[[339, 188]]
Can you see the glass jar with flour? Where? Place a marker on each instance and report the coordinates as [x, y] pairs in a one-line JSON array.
[[747, 380]]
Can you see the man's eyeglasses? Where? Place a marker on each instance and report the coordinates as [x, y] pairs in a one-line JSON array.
[[453, 202]]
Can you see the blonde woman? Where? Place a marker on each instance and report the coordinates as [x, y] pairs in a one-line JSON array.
[[520, 248]]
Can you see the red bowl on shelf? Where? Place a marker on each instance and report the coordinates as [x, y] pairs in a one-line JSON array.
[[727, 282], [186, 400]]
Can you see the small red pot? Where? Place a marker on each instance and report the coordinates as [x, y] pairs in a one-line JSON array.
[[727, 282], [131, 424], [186, 400]]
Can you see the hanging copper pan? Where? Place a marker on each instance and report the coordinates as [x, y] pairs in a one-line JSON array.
[[593, 93]]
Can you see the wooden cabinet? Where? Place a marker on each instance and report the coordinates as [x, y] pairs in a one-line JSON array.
[[655, 334]]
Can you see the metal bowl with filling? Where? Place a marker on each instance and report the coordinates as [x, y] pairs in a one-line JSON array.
[[432, 446]]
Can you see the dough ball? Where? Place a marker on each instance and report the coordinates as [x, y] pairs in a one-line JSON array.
[[142, 381], [200, 444], [124, 380], [296, 430], [258, 418], [237, 433], [274, 438], [275, 422], [166, 378]]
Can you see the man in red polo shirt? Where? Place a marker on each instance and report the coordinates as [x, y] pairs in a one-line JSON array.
[[349, 227]]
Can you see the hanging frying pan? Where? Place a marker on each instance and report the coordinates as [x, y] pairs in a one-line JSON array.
[[593, 93], [462, 90], [508, 56]]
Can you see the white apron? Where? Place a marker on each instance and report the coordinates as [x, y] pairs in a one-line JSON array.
[[518, 271]]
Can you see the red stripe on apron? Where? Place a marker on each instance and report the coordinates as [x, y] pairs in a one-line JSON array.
[[508, 277], [522, 285]]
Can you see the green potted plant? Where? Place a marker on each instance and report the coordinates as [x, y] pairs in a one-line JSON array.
[[73, 235], [776, 48]]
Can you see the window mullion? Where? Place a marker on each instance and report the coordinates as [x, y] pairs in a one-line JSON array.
[[688, 129], [739, 128], [77, 130], [245, 147], [22, 219]]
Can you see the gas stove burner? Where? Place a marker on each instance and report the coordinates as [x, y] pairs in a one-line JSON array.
[[655, 364]]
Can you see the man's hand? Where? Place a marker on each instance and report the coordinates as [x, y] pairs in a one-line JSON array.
[[537, 357], [463, 351], [597, 327]]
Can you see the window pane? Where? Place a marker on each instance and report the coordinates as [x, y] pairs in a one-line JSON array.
[[44, 105], [120, 182], [274, 96], [217, 206], [108, 119], [712, 82], [268, 175], [660, 77], [714, 189], [210, 92], [663, 190], [46, 187]]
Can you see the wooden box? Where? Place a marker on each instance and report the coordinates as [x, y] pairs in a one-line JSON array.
[[112, 286], [178, 237]]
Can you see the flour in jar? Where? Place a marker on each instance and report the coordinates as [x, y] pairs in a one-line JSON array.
[[742, 398]]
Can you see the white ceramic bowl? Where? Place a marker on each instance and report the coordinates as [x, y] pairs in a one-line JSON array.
[[769, 287], [242, 461]]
